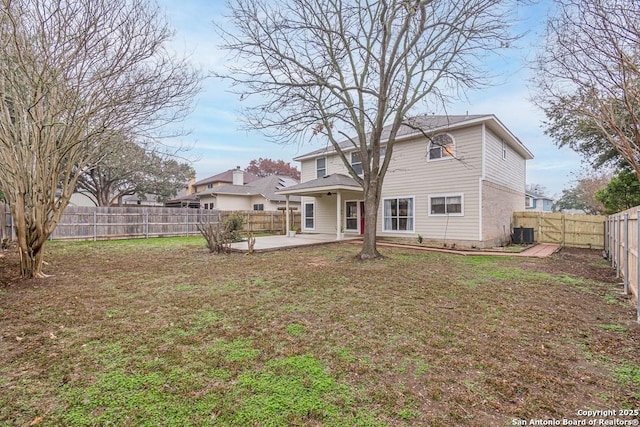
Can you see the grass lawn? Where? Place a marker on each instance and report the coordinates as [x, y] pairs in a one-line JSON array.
[[161, 333]]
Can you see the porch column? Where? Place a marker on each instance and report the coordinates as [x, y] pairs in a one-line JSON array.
[[338, 216], [287, 214]]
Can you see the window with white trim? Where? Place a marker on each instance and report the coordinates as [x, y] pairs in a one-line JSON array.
[[528, 201], [446, 205], [309, 216], [398, 214], [356, 163], [321, 167], [504, 150], [442, 146], [258, 206]]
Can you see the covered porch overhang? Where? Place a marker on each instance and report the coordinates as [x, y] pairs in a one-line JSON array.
[[337, 184]]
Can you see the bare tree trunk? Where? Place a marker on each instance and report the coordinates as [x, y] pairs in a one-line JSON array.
[[30, 242], [371, 203]]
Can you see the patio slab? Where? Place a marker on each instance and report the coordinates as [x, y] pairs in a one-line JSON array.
[[273, 243]]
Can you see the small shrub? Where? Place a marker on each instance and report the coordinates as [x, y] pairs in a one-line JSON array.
[[218, 239], [233, 226]]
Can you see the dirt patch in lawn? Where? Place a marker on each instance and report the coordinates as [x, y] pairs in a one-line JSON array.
[[162, 332]]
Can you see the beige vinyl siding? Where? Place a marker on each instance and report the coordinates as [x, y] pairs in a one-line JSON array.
[[509, 172], [334, 165], [307, 170], [498, 185], [411, 174], [325, 210], [325, 214]]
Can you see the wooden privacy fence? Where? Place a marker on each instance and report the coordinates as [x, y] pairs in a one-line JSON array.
[[101, 223], [621, 249], [576, 231]]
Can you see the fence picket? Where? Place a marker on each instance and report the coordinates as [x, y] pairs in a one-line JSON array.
[[101, 223], [623, 250], [581, 231]]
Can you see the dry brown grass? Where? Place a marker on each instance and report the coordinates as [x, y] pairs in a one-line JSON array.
[[415, 339]]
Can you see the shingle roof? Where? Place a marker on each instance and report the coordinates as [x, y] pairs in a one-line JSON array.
[[333, 181], [265, 187], [227, 176], [427, 124]]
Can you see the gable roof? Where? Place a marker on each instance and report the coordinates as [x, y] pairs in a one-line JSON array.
[[265, 187], [333, 182], [227, 176], [416, 126]]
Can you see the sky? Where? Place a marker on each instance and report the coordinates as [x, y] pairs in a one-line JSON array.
[[217, 141]]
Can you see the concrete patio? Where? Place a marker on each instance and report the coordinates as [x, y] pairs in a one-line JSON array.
[[274, 243]]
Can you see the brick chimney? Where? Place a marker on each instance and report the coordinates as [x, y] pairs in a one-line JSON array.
[[238, 176]]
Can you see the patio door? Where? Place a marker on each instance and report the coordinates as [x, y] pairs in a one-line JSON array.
[[354, 216]]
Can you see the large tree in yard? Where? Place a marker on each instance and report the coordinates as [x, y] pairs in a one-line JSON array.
[[72, 75], [588, 76], [128, 168], [345, 69]]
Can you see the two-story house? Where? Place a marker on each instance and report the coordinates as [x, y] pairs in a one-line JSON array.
[[455, 181]]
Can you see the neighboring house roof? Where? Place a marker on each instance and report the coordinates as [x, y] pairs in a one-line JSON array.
[[227, 177], [539, 197], [431, 124], [333, 182], [266, 187]]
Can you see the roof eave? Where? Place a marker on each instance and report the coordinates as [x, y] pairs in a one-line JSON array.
[[321, 189]]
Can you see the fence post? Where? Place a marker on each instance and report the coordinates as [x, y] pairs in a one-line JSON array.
[[619, 246], [612, 238], [614, 241], [186, 223], [606, 237], [626, 253], [146, 221], [638, 264], [95, 226]]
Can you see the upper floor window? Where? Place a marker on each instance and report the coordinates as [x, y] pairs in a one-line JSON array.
[[504, 150], [356, 163], [442, 146], [321, 167]]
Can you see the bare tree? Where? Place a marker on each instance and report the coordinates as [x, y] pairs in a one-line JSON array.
[[589, 78], [72, 73], [344, 70]]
